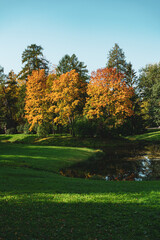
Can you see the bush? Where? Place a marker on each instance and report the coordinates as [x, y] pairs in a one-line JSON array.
[[43, 130], [26, 128], [133, 125], [20, 128], [84, 128], [11, 131]]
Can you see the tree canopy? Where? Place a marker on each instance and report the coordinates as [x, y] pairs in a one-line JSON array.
[[35, 110], [108, 96], [68, 97]]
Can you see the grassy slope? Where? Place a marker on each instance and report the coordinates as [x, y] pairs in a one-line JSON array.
[[37, 203]]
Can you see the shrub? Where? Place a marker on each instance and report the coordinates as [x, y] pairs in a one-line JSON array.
[[20, 128], [43, 130], [26, 128], [10, 131], [84, 128], [132, 125]]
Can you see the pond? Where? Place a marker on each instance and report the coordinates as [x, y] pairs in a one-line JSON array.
[[130, 163]]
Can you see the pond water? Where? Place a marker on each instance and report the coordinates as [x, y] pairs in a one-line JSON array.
[[124, 164]]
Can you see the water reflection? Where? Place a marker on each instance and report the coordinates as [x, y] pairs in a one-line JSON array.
[[133, 170], [129, 164]]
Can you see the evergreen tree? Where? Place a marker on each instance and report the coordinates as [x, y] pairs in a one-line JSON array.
[[33, 59], [67, 63], [2, 75], [130, 76], [116, 59]]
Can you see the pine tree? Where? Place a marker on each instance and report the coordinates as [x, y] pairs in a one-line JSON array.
[[68, 63], [130, 76], [33, 59], [116, 59]]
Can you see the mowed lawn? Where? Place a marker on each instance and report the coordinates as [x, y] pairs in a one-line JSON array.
[[37, 203]]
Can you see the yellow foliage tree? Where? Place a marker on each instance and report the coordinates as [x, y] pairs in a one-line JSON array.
[[35, 101], [67, 98]]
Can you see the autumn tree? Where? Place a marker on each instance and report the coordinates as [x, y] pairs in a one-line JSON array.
[[67, 98], [108, 97], [35, 100], [68, 63], [33, 59]]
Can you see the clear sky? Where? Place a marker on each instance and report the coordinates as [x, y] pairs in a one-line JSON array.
[[88, 28]]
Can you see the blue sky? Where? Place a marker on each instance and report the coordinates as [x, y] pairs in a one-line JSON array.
[[88, 28]]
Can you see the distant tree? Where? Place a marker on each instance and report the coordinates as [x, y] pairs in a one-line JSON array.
[[149, 88], [33, 59], [68, 63], [130, 76], [8, 102], [3, 103], [116, 59], [2, 75]]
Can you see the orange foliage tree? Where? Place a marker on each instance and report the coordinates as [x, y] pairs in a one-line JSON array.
[[35, 101], [67, 98], [108, 96]]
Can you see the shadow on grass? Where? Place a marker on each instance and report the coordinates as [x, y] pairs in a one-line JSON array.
[[45, 219], [63, 140], [40, 205]]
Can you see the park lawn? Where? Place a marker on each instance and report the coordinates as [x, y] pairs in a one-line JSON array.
[[37, 203], [65, 140], [149, 136]]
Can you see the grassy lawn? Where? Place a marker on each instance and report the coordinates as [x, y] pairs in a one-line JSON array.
[[150, 136], [36, 203]]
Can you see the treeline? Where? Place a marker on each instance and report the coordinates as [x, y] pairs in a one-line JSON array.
[[112, 101]]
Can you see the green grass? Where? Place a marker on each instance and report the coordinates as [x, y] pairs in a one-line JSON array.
[[61, 140], [48, 158], [149, 136], [37, 203]]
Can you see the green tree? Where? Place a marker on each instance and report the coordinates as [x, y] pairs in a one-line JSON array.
[[8, 102], [130, 76], [2, 100], [149, 88], [12, 98], [2, 75], [116, 59], [33, 59], [68, 63]]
